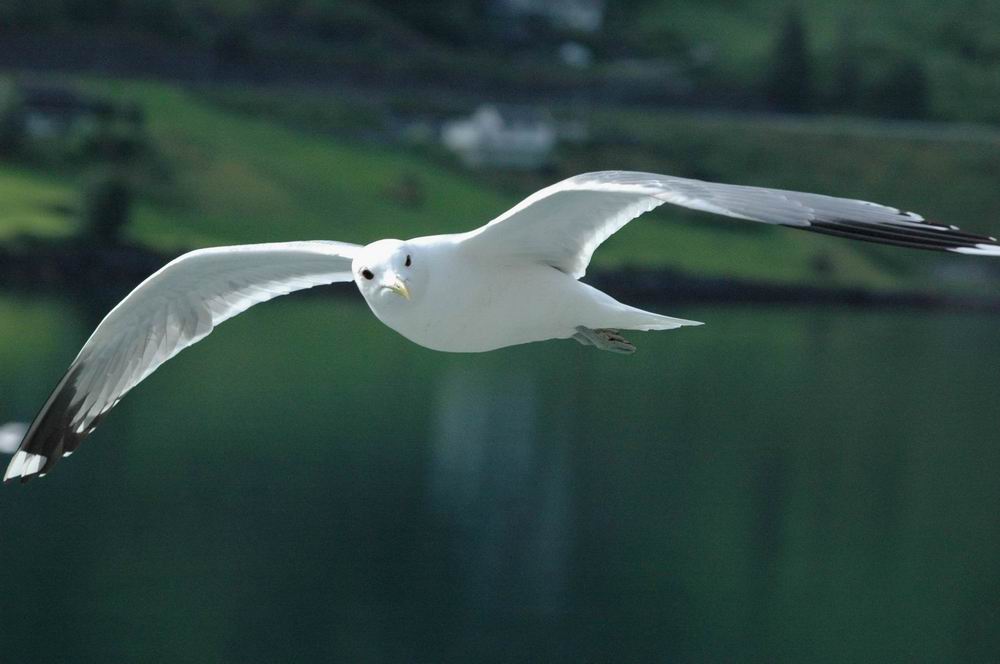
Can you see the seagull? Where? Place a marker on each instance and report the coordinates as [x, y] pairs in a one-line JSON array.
[[512, 281]]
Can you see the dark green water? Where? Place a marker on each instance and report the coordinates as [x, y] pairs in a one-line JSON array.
[[797, 485]]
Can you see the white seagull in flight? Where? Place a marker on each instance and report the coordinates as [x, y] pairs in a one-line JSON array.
[[512, 281]]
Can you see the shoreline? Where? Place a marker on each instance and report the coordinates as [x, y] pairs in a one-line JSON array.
[[69, 266]]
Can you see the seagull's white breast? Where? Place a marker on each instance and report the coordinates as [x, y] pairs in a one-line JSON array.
[[469, 303]]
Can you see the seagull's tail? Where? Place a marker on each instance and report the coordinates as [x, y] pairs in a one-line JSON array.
[[663, 323], [638, 319]]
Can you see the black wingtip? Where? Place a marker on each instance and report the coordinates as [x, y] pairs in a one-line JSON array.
[[51, 435], [916, 236]]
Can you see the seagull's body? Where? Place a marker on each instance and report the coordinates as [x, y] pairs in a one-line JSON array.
[[493, 290], [513, 281]]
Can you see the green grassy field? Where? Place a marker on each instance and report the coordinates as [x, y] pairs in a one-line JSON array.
[[34, 204], [232, 177]]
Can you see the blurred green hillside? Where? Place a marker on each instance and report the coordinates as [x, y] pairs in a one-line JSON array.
[[716, 52], [955, 42], [254, 166]]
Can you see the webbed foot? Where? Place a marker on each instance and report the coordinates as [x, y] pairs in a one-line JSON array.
[[604, 339]]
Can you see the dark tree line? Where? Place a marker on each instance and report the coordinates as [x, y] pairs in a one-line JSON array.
[[899, 89], [852, 78]]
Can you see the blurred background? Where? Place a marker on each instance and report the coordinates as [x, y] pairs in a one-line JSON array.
[[812, 476]]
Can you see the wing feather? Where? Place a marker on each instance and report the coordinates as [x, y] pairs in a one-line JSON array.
[[171, 310], [563, 225]]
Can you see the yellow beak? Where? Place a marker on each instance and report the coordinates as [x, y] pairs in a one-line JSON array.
[[399, 288]]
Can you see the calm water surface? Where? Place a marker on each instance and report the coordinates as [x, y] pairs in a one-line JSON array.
[[792, 485]]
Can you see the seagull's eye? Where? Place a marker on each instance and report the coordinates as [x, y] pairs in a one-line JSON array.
[[367, 274], [408, 261]]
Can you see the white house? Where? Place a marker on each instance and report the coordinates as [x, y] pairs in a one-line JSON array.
[[503, 137], [50, 111]]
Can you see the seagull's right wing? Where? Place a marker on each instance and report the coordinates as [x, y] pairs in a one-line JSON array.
[[176, 307], [563, 224]]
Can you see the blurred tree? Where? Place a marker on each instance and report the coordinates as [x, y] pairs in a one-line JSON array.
[[280, 13], [903, 91], [119, 151], [233, 45], [12, 129], [28, 13], [166, 18], [107, 201], [847, 69], [459, 22], [788, 84], [109, 140], [100, 12]]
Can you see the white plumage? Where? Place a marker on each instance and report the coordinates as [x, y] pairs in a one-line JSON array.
[[514, 280]]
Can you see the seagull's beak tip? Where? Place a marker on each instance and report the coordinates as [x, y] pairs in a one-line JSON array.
[[399, 288]]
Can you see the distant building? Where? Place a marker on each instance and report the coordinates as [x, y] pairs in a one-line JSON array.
[[49, 111], [576, 55], [502, 136], [577, 15]]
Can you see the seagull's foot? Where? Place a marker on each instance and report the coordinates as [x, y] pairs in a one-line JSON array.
[[604, 339]]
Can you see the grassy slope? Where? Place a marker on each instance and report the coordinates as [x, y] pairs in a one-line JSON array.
[[31, 202], [237, 178], [241, 179]]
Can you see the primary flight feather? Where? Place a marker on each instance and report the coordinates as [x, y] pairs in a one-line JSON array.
[[512, 281]]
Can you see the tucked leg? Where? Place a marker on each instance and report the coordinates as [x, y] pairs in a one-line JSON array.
[[609, 340]]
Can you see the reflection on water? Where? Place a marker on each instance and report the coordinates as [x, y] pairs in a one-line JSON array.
[[780, 485], [501, 491]]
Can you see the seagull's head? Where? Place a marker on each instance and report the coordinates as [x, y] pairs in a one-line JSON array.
[[388, 272]]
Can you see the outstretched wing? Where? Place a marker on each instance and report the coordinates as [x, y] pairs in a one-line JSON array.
[[563, 224], [176, 307]]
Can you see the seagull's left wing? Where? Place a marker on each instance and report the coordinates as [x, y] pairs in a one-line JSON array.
[[176, 307], [563, 224]]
